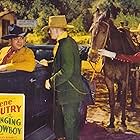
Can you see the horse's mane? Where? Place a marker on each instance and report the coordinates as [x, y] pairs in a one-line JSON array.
[[119, 41]]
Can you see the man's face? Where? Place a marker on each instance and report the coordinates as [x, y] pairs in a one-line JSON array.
[[53, 33], [18, 42]]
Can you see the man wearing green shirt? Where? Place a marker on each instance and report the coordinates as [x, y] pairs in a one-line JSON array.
[[66, 78]]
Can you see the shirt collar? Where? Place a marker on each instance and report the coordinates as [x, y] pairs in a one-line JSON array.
[[15, 50], [63, 35]]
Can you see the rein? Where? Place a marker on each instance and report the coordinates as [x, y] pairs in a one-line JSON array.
[[107, 32], [93, 67]]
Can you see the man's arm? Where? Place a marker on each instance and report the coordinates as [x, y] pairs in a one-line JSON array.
[[129, 58], [121, 57]]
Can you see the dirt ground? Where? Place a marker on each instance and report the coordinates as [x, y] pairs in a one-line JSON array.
[[98, 118]]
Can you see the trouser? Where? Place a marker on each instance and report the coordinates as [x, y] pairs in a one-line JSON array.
[[67, 121], [59, 122]]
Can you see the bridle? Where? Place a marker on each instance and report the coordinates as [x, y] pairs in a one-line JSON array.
[[107, 33], [93, 50]]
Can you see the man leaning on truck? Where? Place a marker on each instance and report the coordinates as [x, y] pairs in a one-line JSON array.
[[16, 56]]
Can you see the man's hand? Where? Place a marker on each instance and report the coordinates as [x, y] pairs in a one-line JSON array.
[[107, 53], [44, 62], [47, 84], [2, 67]]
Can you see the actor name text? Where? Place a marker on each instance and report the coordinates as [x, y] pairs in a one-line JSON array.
[[8, 107]]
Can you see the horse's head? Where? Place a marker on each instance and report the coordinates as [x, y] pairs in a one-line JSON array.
[[99, 34], [104, 34]]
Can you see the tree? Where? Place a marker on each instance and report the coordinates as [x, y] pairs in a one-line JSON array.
[[87, 19], [130, 6]]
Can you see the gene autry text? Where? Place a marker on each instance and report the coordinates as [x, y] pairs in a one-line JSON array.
[[7, 107]]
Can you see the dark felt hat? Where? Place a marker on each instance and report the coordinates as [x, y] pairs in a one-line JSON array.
[[14, 31]]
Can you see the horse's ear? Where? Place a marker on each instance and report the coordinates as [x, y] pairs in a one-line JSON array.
[[105, 16]]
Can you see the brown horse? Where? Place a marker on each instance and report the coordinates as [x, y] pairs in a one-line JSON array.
[[106, 35]]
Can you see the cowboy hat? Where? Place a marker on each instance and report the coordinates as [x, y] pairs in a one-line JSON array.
[[57, 22], [136, 30], [14, 31]]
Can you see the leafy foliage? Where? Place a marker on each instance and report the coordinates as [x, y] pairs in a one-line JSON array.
[[82, 39], [130, 6], [131, 20], [78, 12]]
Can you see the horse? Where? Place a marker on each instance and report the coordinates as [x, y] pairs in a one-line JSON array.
[[104, 34]]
